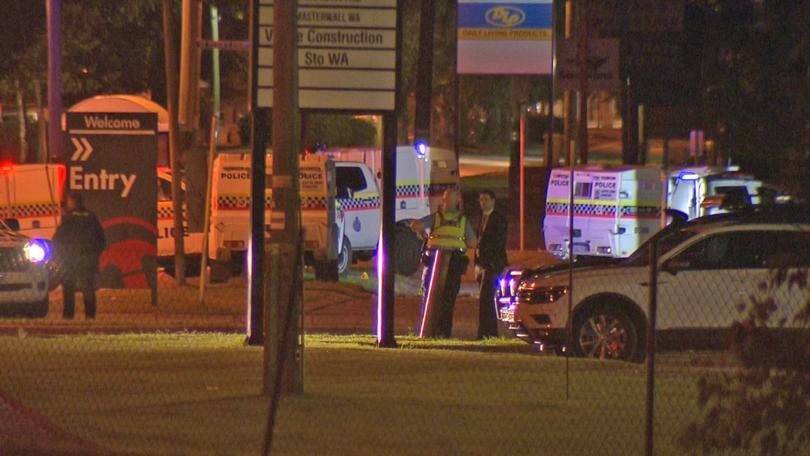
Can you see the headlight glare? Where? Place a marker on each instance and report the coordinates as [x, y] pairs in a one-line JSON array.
[[36, 251]]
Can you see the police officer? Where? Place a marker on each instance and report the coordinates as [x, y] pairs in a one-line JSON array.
[[450, 236], [79, 241]]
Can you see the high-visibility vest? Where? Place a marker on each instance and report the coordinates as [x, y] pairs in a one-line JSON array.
[[448, 232]]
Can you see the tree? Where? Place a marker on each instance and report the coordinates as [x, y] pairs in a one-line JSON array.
[[757, 82], [764, 404]]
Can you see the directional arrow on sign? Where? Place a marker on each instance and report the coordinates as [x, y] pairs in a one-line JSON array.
[[83, 149]]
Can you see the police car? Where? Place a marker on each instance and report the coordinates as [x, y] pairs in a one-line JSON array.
[[709, 267], [24, 282]]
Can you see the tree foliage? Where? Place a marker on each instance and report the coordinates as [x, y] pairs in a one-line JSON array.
[[336, 130], [764, 405], [758, 82]]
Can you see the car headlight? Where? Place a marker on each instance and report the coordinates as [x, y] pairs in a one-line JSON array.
[[531, 292], [36, 251], [508, 283]]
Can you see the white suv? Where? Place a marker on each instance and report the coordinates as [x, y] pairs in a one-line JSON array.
[[24, 283], [709, 269]]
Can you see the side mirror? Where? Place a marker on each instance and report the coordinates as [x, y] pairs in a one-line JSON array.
[[12, 223]]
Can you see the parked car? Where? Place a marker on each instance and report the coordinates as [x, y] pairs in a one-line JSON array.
[[24, 274], [708, 268]]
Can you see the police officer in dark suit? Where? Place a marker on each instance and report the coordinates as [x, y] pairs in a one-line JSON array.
[[490, 261], [79, 241]]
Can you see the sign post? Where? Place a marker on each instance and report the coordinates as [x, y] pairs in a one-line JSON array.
[[112, 162], [347, 61], [503, 37]]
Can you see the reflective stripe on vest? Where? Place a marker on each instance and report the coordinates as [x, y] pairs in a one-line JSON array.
[[447, 234]]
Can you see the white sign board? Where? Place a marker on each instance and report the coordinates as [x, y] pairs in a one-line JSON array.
[[504, 37], [602, 63], [346, 54]]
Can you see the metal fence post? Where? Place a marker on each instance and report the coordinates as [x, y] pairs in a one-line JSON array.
[[650, 349]]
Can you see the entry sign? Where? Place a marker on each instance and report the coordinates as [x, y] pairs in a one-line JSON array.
[[112, 162], [504, 37], [346, 54]]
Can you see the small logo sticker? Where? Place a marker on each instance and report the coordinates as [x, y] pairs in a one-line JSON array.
[[505, 16]]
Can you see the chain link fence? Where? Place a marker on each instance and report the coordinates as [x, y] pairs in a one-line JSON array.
[[726, 372]]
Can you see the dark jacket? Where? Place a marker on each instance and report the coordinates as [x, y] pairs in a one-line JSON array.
[[80, 233], [491, 252]]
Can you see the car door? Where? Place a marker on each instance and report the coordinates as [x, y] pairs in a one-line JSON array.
[[706, 285], [361, 205]]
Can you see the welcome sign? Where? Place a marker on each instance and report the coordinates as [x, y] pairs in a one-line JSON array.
[[112, 163], [504, 37]]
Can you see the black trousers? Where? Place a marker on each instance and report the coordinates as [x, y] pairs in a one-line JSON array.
[[84, 278], [487, 320]]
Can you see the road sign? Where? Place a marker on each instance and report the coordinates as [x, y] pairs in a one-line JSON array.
[[603, 65], [112, 164], [504, 37], [346, 54]]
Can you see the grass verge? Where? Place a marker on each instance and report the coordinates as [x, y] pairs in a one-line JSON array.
[[198, 394]]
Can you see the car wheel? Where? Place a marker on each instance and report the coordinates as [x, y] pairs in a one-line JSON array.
[[407, 251], [344, 261], [606, 333]]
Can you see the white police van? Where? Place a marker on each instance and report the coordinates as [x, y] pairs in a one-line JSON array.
[[422, 176]]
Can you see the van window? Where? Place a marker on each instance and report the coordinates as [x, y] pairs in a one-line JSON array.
[[735, 197], [583, 189], [164, 190], [349, 178]]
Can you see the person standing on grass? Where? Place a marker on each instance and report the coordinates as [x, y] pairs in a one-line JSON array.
[[79, 241], [490, 261], [446, 261]]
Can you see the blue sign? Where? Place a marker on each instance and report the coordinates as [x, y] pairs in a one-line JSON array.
[[504, 37], [500, 15]]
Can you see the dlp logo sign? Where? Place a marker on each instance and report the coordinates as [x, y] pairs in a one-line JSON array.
[[505, 16]]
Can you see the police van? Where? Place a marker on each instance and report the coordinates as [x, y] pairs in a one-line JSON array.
[[321, 216], [422, 176], [690, 187], [31, 195], [615, 210]]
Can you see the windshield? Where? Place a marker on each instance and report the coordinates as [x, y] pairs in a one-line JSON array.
[[668, 238]]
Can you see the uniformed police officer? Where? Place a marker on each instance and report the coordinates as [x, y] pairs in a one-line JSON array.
[[79, 241], [451, 234]]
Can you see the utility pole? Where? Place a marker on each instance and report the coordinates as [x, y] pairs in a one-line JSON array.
[[385, 251], [568, 119], [258, 169], [286, 273], [42, 150], [215, 68], [424, 77], [55, 146], [170, 56], [23, 120], [584, 74], [629, 108]]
